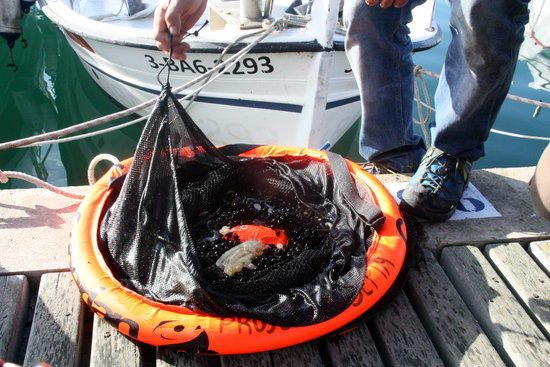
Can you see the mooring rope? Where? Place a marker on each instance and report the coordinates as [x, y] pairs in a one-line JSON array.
[[133, 122], [220, 59], [52, 137], [522, 136], [418, 70], [424, 109], [6, 175], [423, 120], [126, 124]]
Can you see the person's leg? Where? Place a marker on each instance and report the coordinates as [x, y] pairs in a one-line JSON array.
[[480, 63], [539, 186], [379, 50], [478, 71]]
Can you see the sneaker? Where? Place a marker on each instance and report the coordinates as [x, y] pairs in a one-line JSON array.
[[435, 190]]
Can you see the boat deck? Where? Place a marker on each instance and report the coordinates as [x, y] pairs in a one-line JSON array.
[[478, 296]]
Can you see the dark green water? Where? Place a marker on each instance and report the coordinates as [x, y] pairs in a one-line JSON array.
[[52, 90]]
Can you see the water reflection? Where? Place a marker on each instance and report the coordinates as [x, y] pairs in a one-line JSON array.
[[535, 51], [51, 90], [28, 97]]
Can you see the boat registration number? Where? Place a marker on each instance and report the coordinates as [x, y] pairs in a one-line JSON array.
[[248, 65]]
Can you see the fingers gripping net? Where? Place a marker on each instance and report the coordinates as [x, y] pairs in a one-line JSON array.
[[167, 223]]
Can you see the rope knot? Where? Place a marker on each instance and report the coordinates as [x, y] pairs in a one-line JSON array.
[[278, 24]]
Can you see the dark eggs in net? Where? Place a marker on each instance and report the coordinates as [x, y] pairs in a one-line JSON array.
[[306, 231]]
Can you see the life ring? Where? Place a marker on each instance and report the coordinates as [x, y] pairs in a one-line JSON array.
[[159, 324]]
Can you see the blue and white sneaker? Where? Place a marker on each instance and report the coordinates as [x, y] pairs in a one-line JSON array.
[[435, 190]]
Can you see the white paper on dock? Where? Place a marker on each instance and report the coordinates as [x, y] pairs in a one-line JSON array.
[[472, 206]]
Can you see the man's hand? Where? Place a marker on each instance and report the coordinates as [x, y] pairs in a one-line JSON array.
[[387, 3], [176, 17]]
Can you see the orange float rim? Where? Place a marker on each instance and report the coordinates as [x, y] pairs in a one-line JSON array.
[[159, 324]]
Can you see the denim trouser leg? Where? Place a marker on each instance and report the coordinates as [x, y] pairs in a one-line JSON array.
[[379, 50], [478, 70]]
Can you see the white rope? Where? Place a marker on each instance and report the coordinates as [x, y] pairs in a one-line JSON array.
[[6, 175], [44, 139], [531, 137], [424, 114], [424, 104], [85, 135], [93, 163], [512, 97], [220, 59], [133, 122], [129, 123], [104, 119], [423, 119]]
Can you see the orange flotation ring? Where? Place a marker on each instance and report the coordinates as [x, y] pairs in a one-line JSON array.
[[159, 324]]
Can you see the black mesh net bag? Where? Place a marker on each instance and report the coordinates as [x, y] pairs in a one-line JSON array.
[[182, 227]]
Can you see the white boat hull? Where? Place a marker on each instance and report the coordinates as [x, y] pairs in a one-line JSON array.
[[263, 105], [265, 99]]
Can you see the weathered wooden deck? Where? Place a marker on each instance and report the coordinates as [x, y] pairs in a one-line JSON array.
[[481, 299]]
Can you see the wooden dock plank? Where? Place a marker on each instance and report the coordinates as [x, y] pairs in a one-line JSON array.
[[354, 348], [457, 336], [540, 251], [111, 348], [55, 332], [508, 326], [306, 355], [37, 222], [245, 360], [171, 358], [14, 291], [403, 339], [526, 280]]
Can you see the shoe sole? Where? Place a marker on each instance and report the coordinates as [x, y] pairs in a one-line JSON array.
[[431, 216]]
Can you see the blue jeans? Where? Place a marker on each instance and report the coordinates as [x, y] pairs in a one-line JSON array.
[[476, 76]]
